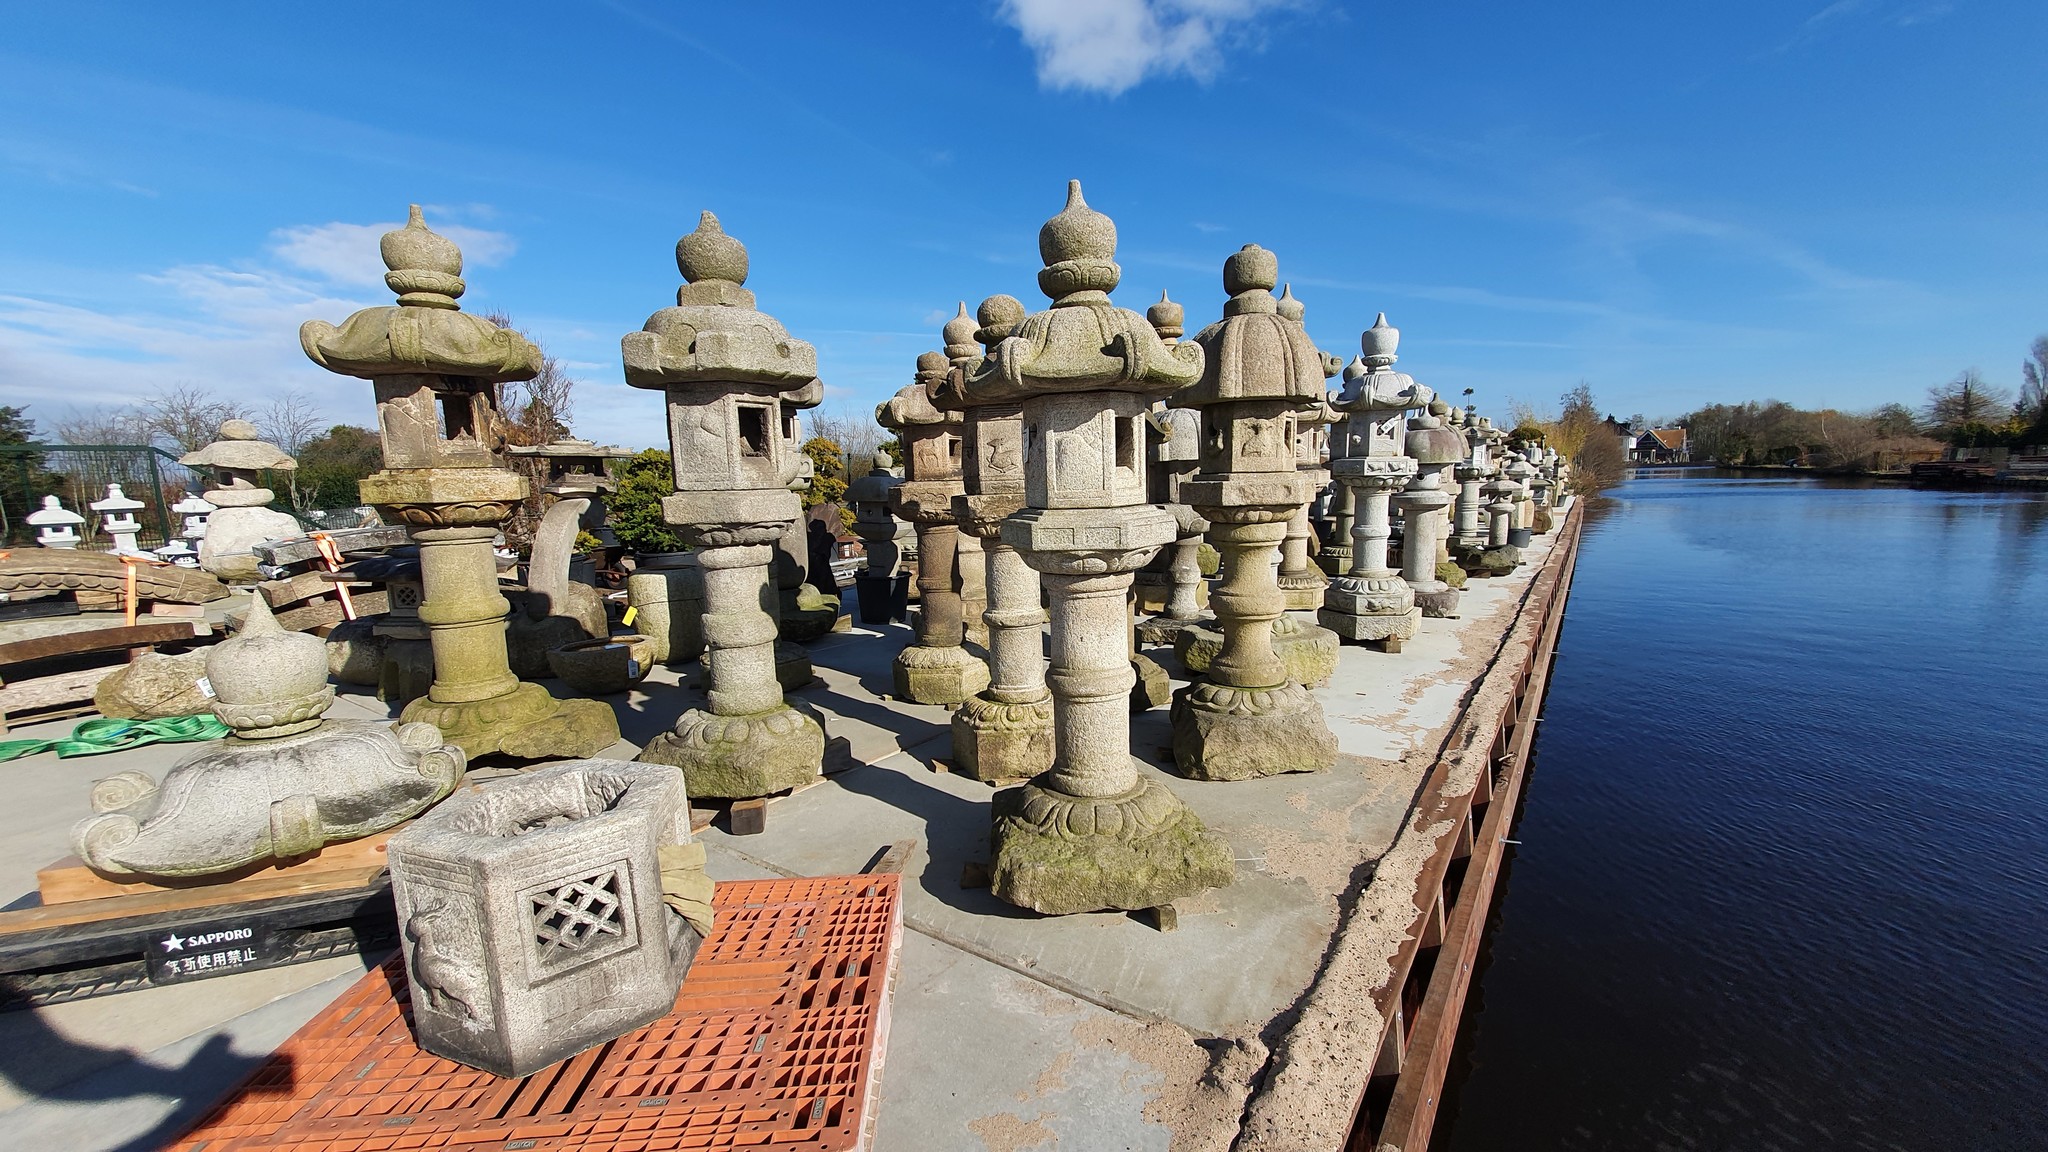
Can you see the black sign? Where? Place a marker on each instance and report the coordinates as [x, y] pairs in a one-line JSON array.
[[214, 948]]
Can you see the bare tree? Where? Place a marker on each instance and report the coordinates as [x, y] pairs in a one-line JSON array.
[[2033, 402], [851, 426], [81, 426], [1965, 402], [291, 421], [186, 417], [535, 411]]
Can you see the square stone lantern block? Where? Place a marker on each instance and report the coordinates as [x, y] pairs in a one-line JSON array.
[[532, 916]]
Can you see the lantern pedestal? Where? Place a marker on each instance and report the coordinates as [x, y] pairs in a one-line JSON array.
[[1059, 854]]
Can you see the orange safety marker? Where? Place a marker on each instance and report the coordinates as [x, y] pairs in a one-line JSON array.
[[330, 555], [128, 566], [776, 1040]]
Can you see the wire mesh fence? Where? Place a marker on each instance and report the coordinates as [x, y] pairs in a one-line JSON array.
[[79, 474]]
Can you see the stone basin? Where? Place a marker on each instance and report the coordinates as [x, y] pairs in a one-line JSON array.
[[602, 667]]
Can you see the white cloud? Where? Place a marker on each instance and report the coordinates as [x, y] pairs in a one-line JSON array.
[[347, 253], [1110, 46]]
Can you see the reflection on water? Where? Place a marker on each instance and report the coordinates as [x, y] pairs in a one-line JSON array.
[[1783, 880]]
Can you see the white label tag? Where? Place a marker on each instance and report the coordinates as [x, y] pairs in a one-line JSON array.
[[205, 687]]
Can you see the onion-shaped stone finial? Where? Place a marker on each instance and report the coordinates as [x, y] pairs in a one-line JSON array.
[[1288, 307], [425, 266], [1378, 343], [1167, 318], [709, 254], [959, 334], [1079, 250], [999, 315]]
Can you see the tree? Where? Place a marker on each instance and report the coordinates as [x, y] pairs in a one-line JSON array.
[[23, 482], [2033, 402], [1966, 409], [1597, 458], [1894, 421], [331, 464], [828, 472], [291, 421], [853, 428], [535, 412], [186, 417], [634, 511]]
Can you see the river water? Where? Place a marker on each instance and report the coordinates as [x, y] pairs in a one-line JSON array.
[[1783, 872]]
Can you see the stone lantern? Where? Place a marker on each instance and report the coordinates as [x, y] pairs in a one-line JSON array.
[[1520, 473], [1094, 831], [1301, 580], [243, 517], [936, 669], [806, 603], [1246, 716], [725, 368], [879, 588], [1371, 601], [195, 510], [436, 370], [117, 518], [1175, 441], [1004, 731], [1472, 471], [1435, 450], [56, 526]]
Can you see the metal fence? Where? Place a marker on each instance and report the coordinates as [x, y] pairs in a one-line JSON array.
[[79, 475]]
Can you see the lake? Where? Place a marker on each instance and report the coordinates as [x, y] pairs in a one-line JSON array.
[[1783, 872]]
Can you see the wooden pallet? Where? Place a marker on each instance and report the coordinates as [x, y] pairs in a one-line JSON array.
[[71, 880]]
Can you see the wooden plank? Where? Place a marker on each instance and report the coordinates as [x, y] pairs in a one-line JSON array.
[[95, 640], [1411, 1112], [891, 858], [747, 817], [292, 589], [71, 879], [184, 899], [52, 690]]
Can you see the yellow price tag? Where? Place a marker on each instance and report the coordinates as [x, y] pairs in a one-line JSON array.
[[630, 613]]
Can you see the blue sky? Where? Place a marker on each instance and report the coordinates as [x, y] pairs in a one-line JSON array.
[[1830, 203]]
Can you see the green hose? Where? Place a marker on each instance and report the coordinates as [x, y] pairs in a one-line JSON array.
[[108, 735]]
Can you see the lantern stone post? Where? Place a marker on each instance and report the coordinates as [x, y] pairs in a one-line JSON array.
[[725, 369], [1301, 580], [1246, 716], [1095, 831], [1003, 732], [1372, 601], [436, 370], [1435, 450], [878, 587], [937, 669]]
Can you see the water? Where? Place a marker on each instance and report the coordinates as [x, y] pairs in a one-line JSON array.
[[1783, 881]]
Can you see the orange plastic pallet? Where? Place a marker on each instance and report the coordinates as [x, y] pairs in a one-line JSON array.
[[776, 1040]]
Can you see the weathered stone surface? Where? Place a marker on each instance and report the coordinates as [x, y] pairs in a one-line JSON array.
[[1222, 733], [532, 630], [938, 675], [231, 533], [602, 667], [1152, 687], [526, 722], [66, 570], [1059, 854], [996, 741], [735, 757], [355, 653], [531, 913], [155, 685], [1307, 652], [667, 594]]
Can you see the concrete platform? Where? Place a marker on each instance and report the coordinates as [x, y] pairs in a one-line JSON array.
[[1012, 1030]]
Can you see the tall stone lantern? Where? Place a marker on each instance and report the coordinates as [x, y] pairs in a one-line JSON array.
[[726, 368], [1246, 716], [436, 370], [1004, 731], [1301, 580], [1094, 831], [936, 669], [1435, 450], [877, 587], [1371, 601]]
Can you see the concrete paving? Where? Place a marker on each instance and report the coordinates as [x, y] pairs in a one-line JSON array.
[[1010, 1030]]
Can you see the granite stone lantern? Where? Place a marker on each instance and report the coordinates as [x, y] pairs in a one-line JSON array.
[[436, 370], [194, 509], [1245, 716], [1004, 731], [1176, 445], [1472, 472], [243, 517], [726, 369], [1094, 831], [881, 589], [1372, 601], [1301, 580], [56, 526], [1435, 450], [531, 913], [117, 519], [936, 669]]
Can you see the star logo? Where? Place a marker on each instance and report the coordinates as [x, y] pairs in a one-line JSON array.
[[174, 943]]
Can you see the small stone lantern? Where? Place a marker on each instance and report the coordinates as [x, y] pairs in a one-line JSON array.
[[936, 669], [1174, 439], [1246, 716], [56, 526], [1094, 831], [531, 913], [1472, 472], [117, 519], [880, 588], [1371, 601], [242, 516], [724, 368], [195, 510], [436, 371], [1004, 731]]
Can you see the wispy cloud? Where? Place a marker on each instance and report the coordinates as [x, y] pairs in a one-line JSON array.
[[1111, 46], [347, 253], [1826, 20]]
